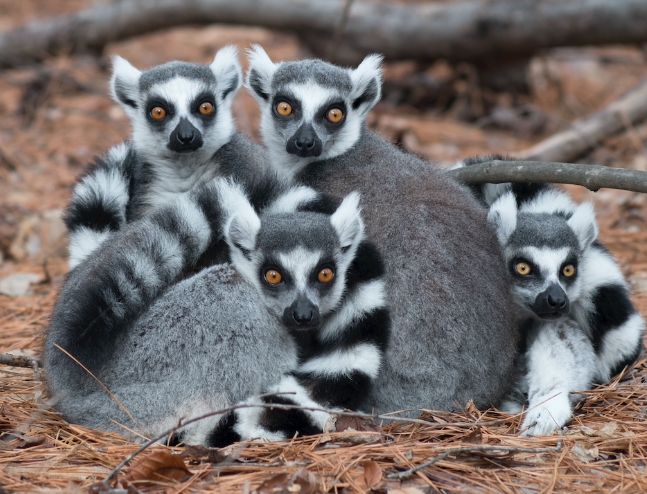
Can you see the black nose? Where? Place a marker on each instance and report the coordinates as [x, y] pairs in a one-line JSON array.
[[304, 142], [302, 314], [551, 303], [185, 137]]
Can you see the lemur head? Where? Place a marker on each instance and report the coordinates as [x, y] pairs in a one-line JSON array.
[[311, 110], [179, 110], [542, 251], [297, 261]]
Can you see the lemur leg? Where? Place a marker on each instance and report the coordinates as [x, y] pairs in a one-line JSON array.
[[561, 360], [335, 381]]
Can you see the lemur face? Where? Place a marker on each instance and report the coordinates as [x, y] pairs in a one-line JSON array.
[[179, 110], [311, 110], [543, 252], [297, 261]]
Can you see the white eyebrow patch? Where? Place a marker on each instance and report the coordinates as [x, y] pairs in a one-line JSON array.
[[300, 263], [312, 97]]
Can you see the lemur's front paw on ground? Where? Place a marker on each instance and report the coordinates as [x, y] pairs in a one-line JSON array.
[[548, 416]]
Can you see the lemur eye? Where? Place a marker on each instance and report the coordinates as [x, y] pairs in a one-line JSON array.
[[158, 113], [568, 270], [284, 108], [523, 268], [325, 275], [335, 115], [272, 276], [206, 108]]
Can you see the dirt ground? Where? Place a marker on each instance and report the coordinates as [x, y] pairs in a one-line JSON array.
[[58, 115]]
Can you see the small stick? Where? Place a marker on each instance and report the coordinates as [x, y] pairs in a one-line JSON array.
[[147, 444], [19, 360], [473, 449], [593, 177]]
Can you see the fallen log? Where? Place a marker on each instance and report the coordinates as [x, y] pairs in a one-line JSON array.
[[587, 133], [593, 177], [474, 30]]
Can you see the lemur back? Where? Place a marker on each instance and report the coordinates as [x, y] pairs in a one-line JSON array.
[[574, 310], [288, 319], [454, 334], [182, 135]]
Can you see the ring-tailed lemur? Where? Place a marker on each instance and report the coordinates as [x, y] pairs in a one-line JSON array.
[[182, 134], [454, 335], [315, 273], [578, 323]]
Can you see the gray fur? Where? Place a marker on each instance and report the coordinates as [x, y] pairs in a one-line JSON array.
[[184, 357], [323, 73], [453, 333], [165, 72], [543, 230]]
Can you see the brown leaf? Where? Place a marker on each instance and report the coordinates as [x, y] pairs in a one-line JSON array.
[[202, 453], [159, 466], [372, 473], [474, 437], [360, 424], [301, 481], [29, 441], [278, 483], [585, 451]]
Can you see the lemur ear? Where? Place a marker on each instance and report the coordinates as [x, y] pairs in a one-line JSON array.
[[503, 217], [367, 83], [260, 73], [347, 221], [124, 83], [229, 76], [584, 225]]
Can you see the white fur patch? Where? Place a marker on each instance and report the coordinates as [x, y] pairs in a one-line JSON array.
[[109, 185], [260, 63], [503, 217], [84, 241], [583, 224], [292, 200], [617, 344], [366, 298], [347, 222], [549, 201], [226, 69], [367, 71], [364, 357]]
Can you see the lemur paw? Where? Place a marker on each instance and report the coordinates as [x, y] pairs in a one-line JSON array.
[[547, 417]]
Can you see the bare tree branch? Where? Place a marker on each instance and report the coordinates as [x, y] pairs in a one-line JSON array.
[[593, 177], [587, 133], [465, 30]]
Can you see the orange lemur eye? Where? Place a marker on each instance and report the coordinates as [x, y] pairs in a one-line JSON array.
[[284, 108], [272, 276], [325, 275], [158, 113], [335, 115], [523, 268], [568, 270], [206, 108]]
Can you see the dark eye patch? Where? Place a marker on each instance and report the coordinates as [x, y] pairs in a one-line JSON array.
[[288, 97], [326, 107], [204, 97], [151, 103]]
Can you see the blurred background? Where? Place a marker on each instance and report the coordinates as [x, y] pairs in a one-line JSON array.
[[57, 115]]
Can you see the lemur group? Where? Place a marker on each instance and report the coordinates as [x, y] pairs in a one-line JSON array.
[[326, 269]]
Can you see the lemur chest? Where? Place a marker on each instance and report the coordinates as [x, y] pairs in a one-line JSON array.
[[169, 182]]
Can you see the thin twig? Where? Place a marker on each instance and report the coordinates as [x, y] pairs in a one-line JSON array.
[[593, 177], [19, 360], [473, 449], [100, 383], [181, 423]]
